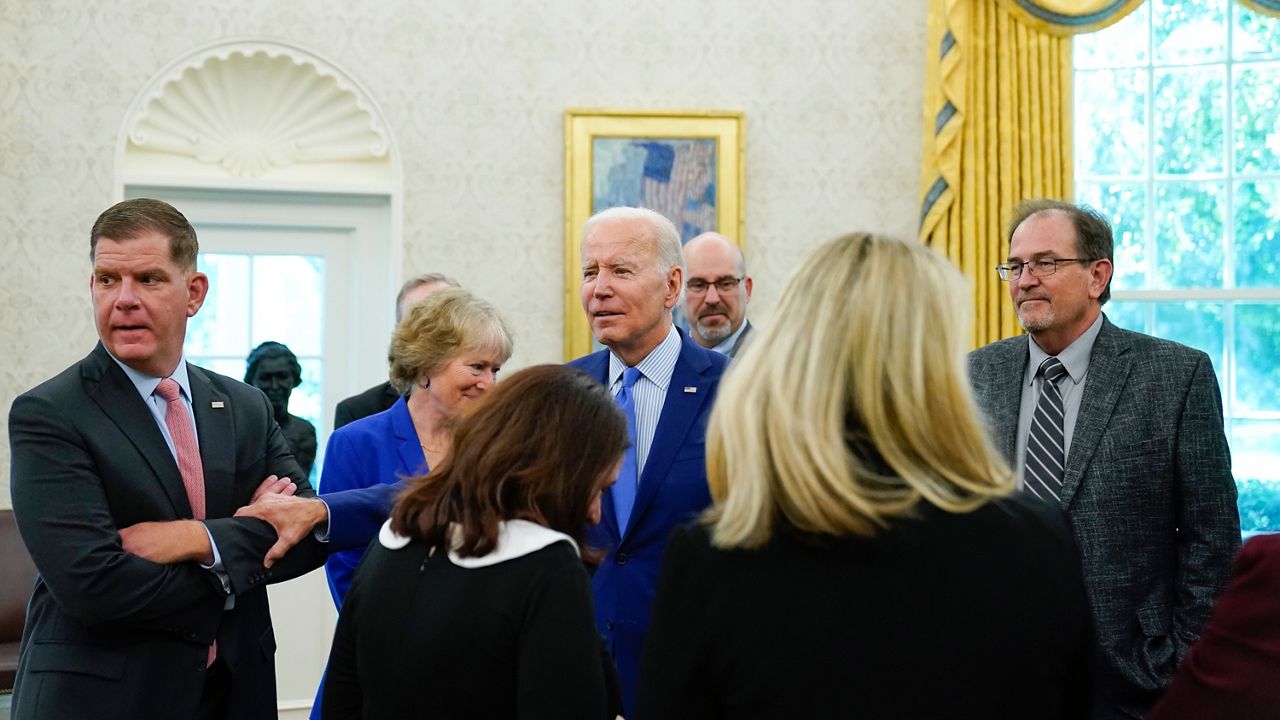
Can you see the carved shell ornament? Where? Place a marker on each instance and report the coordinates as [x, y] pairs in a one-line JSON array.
[[251, 111]]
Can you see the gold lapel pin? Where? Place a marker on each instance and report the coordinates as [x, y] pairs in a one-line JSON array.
[[217, 404]]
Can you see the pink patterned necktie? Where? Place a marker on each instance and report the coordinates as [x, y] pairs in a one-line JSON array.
[[183, 433]]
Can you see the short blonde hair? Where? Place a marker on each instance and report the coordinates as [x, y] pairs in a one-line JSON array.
[[437, 329], [855, 404]]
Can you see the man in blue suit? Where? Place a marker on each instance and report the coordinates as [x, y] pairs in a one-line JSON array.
[[632, 273]]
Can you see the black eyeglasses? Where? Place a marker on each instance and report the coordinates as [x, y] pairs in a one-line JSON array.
[[1038, 268], [723, 285]]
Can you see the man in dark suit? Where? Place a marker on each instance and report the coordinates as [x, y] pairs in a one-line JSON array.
[[383, 395], [1125, 432], [716, 293], [631, 277], [126, 470]]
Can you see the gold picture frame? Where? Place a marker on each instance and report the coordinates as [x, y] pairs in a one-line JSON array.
[[625, 138]]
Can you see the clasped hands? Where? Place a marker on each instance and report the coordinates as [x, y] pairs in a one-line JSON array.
[[176, 541]]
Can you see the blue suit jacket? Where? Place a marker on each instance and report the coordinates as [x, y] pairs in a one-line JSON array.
[[380, 449], [673, 490]]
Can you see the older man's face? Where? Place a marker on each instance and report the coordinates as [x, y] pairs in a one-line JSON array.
[[626, 298], [714, 315], [142, 300], [1055, 308]]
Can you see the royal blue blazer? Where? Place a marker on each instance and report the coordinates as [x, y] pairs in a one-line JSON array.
[[673, 491]]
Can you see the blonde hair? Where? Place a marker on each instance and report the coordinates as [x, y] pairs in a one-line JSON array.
[[438, 328], [854, 405]]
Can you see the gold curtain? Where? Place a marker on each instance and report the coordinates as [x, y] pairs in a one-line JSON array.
[[1266, 7], [997, 129]]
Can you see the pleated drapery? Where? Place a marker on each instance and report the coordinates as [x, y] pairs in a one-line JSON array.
[[998, 127]]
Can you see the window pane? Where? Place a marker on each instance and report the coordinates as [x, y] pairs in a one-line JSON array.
[[1257, 350], [1189, 229], [1256, 36], [1255, 462], [1124, 43], [1198, 324], [305, 400], [232, 367], [1124, 204], [1130, 315], [1256, 94], [288, 301], [1189, 30], [1111, 136], [1257, 246], [1188, 113], [222, 325]]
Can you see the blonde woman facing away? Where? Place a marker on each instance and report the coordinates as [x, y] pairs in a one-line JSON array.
[[865, 556]]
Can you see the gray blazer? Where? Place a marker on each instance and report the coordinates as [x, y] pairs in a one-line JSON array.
[[1149, 491]]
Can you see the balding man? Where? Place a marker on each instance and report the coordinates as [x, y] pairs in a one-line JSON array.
[[716, 292], [384, 395]]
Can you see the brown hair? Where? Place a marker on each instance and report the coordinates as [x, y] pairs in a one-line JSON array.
[[128, 219], [533, 448], [438, 328]]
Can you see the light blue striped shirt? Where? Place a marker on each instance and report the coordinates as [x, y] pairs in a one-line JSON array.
[[650, 391]]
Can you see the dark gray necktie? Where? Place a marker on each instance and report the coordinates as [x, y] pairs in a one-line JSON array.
[[1046, 441]]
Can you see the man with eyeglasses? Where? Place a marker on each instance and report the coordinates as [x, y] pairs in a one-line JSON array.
[[1124, 432], [716, 293]]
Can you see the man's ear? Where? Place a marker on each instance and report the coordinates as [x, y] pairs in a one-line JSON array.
[[1100, 277], [675, 281], [748, 284], [197, 290]]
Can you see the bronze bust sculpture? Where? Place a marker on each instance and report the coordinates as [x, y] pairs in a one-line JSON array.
[[274, 369]]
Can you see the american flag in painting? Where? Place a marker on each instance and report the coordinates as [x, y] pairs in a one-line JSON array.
[[675, 177]]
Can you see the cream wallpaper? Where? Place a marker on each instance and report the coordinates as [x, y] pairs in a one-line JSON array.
[[474, 93]]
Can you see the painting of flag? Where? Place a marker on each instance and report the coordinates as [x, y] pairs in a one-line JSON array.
[[687, 165], [674, 176]]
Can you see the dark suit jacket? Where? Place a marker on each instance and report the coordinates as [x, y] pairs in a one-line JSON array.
[[673, 490], [1149, 491], [379, 449], [374, 400], [742, 341], [1233, 670], [978, 615], [108, 634]]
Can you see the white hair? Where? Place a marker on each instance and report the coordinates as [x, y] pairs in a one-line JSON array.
[[665, 238]]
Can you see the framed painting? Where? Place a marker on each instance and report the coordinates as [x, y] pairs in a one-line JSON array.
[[686, 165]]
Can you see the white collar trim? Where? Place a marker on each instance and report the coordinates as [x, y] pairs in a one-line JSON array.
[[516, 538]]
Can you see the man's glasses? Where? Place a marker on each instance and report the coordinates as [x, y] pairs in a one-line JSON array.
[[724, 285], [1038, 268]]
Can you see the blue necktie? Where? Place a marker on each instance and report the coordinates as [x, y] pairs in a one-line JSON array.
[[624, 490]]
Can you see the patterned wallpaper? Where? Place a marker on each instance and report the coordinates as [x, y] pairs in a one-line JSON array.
[[474, 93]]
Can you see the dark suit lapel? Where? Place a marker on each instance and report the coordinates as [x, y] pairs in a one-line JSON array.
[[216, 433], [742, 339], [679, 410], [1004, 396], [1109, 367], [112, 391]]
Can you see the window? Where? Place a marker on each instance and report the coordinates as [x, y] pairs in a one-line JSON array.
[[248, 304], [1177, 141]]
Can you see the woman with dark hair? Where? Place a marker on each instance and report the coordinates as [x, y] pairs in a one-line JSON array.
[[474, 600]]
